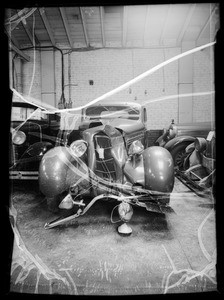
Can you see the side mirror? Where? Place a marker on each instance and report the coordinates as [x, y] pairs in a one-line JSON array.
[[136, 148]]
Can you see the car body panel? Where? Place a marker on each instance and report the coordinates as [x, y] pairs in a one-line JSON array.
[[178, 140], [25, 158], [159, 169]]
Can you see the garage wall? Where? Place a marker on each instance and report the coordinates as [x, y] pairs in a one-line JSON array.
[[203, 106], [109, 68], [23, 75]]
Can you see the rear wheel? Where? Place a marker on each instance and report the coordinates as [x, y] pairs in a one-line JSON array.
[[178, 153]]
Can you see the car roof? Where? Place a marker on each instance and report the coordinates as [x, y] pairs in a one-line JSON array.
[[116, 103]]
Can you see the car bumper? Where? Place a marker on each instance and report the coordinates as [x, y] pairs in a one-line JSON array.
[[23, 175]]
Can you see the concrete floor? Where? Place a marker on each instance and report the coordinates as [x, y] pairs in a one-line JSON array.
[[175, 253]]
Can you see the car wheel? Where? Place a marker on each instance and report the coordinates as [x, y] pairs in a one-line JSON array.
[[178, 153]]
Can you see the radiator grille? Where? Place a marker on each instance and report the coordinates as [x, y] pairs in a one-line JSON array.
[[105, 165]]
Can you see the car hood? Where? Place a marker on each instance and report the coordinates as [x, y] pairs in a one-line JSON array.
[[127, 126]]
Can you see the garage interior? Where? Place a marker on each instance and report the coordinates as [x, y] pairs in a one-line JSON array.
[[66, 57]]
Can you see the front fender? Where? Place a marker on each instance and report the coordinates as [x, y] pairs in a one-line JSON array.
[[178, 140], [59, 170], [159, 169]]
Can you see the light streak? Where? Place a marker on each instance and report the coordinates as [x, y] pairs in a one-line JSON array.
[[24, 258], [189, 274], [180, 96], [140, 77], [134, 80], [34, 59]]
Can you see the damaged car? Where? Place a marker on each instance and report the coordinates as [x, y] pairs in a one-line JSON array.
[[109, 160], [31, 135], [198, 170], [176, 137]]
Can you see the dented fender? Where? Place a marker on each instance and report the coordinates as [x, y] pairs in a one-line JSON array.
[[58, 170], [159, 169]]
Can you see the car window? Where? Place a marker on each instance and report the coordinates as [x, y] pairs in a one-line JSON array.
[[22, 113]]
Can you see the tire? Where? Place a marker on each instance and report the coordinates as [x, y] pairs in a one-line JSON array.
[[178, 153]]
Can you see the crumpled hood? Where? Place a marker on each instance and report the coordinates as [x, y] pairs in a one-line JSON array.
[[126, 125]]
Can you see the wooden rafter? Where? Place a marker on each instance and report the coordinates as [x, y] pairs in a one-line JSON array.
[[66, 25], [14, 45], [47, 25], [84, 27], [102, 25], [29, 34], [186, 23], [125, 25], [207, 22], [19, 52]]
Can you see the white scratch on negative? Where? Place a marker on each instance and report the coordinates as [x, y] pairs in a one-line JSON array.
[[188, 275], [125, 85], [203, 249]]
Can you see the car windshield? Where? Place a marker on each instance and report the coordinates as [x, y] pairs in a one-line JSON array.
[[112, 111], [22, 113]]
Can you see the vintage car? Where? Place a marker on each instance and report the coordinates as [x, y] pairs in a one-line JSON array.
[[176, 137], [198, 169], [108, 161], [31, 135], [129, 117]]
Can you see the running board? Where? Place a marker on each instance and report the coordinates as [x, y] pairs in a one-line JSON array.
[[192, 185]]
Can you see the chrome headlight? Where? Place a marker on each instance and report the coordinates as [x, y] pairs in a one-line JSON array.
[[18, 137], [136, 148], [78, 147]]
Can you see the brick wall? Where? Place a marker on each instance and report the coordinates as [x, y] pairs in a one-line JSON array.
[[203, 106], [24, 75], [110, 68]]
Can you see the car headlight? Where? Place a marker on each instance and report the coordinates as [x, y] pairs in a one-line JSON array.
[[200, 144], [136, 148], [78, 147], [18, 137]]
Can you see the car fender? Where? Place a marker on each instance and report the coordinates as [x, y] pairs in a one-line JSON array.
[[190, 148], [178, 140], [159, 169], [58, 170]]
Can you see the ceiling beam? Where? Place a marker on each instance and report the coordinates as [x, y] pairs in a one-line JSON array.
[[146, 24], [8, 31], [186, 23], [47, 25], [19, 52], [102, 25], [84, 27], [66, 25], [28, 32], [207, 22], [165, 24], [125, 25]]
